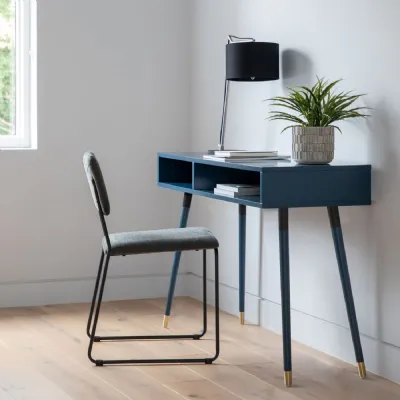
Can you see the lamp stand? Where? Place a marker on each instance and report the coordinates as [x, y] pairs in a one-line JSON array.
[[221, 145]]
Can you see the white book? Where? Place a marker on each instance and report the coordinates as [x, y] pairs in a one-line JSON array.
[[246, 160], [227, 193], [244, 153], [239, 188]]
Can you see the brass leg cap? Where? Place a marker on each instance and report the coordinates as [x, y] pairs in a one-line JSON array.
[[165, 323], [362, 370], [288, 378], [241, 317]]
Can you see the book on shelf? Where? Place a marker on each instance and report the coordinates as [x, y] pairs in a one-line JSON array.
[[228, 193], [239, 188], [244, 153], [246, 159]]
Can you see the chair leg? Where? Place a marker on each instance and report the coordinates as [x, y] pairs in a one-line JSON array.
[[217, 344], [217, 347], [204, 293], [96, 288], [285, 294], [338, 241], [187, 201], [94, 338], [96, 316]]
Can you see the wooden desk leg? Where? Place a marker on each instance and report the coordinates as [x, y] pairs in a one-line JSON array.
[[187, 201], [285, 294], [338, 241], [242, 260]]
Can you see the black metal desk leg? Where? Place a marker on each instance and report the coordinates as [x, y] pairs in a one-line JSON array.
[[337, 235], [285, 293]]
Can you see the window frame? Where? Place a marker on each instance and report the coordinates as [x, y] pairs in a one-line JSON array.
[[25, 123]]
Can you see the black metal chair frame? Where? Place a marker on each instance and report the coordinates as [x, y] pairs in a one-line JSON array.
[[98, 297]]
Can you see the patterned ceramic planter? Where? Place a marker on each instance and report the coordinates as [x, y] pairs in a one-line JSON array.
[[313, 145]]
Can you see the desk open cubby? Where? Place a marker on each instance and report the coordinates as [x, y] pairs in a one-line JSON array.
[[177, 173], [206, 177], [200, 178]]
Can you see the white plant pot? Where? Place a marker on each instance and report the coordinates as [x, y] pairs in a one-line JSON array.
[[313, 145]]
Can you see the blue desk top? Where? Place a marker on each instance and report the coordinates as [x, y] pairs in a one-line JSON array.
[[197, 157], [283, 183]]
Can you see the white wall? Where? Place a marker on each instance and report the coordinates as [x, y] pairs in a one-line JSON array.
[[113, 77], [356, 40]]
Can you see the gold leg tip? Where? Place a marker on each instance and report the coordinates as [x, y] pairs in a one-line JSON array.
[[288, 378], [241, 317], [362, 370], [165, 323]]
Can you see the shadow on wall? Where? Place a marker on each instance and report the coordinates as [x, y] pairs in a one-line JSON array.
[[384, 217], [296, 68]]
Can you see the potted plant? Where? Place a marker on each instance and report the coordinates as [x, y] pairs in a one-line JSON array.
[[313, 112]]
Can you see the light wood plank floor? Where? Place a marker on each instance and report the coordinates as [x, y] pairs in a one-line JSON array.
[[43, 357]]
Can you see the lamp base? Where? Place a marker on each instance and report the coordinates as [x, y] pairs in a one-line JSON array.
[[212, 152]]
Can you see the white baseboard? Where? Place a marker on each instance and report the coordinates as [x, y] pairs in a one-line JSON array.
[[380, 358], [80, 290], [229, 297]]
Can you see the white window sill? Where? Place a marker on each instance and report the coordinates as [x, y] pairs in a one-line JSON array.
[[18, 148]]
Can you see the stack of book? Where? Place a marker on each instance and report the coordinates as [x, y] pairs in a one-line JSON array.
[[236, 190], [244, 156]]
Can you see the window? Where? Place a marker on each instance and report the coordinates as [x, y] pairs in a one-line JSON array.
[[17, 74]]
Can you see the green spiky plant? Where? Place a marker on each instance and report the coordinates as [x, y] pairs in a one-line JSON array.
[[318, 106]]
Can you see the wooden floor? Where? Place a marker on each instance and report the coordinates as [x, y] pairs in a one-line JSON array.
[[43, 357]]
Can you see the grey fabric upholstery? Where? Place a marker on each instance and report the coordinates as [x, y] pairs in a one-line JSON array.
[[158, 241], [94, 174], [163, 240]]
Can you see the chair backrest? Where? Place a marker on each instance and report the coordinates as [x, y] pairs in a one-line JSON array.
[[96, 183]]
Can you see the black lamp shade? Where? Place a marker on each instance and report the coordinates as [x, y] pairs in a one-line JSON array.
[[252, 61]]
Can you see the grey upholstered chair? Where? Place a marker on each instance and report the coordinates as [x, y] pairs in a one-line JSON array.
[[130, 243]]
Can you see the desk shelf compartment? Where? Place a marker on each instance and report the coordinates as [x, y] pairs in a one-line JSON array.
[[176, 173], [206, 177]]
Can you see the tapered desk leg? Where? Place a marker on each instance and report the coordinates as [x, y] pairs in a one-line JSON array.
[[337, 235], [187, 201], [285, 293], [242, 260]]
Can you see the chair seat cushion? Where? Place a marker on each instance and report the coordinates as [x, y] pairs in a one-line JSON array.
[[158, 241]]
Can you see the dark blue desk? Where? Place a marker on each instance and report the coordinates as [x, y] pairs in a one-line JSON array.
[[283, 185]]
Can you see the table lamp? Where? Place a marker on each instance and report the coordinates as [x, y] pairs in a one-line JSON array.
[[247, 61]]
